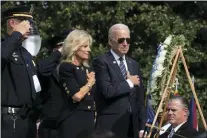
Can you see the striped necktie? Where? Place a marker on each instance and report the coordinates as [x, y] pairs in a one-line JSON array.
[[171, 133], [122, 67]]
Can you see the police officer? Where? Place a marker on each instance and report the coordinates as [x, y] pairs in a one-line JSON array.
[[51, 95], [20, 83]]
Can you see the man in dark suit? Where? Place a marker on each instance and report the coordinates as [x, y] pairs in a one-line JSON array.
[[177, 113], [50, 95], [120, 93]]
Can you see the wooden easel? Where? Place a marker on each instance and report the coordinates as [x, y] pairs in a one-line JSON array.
[[166, 93]]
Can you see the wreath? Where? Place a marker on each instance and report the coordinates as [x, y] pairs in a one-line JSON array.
[[162, 65]]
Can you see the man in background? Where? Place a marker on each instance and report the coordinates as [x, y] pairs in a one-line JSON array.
[[177, 115], [51, 94]]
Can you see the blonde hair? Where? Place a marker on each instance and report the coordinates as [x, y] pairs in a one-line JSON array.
[[72, 43]]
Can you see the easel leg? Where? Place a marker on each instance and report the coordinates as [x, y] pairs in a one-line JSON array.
[[165, 91], [193, 90]]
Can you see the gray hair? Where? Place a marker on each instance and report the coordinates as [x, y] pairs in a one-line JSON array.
[[116, 27], [183, 101]]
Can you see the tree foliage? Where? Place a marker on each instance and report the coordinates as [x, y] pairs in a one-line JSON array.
[[150, 23]]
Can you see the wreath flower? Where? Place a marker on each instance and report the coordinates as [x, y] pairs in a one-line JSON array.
[[161, 66]]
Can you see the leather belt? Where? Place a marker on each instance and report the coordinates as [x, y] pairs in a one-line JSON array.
[[9, 110]]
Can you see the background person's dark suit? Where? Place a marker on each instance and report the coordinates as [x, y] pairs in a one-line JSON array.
[[185, 130], [52, 105], [201, 135], [114, 96]]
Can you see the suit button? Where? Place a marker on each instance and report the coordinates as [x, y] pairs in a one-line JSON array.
[[74, 101], [64, 84], [68, 92], [89, 107]]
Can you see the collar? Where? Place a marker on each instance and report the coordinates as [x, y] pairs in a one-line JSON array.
[[116, 56], [177, 127]]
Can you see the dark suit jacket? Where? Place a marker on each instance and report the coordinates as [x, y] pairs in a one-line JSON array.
[[72, 78], [51, 99], [114, 95], [185, 130]]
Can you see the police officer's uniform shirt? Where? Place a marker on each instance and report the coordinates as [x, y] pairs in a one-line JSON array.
[[17, 71], [31, 68]]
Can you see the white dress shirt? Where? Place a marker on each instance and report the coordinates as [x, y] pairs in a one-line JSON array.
[[177, 127], [164, 128]]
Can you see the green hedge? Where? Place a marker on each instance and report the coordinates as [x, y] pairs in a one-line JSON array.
[[150, 24]]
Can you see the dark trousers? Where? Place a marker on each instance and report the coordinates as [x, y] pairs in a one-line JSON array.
[[79, 124], [7, 126], [120, 124], [45, 131], [32, 132]]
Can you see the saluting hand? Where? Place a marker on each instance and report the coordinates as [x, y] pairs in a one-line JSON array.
[[22, 27], [91, 77], [60, 48], [133, 78]]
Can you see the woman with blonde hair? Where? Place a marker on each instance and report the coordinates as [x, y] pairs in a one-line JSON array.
[[77, 84]]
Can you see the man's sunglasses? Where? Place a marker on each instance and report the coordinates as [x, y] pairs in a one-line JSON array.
[[121, 40]]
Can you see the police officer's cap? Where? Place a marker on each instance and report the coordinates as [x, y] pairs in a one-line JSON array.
[[59, 39], [22, 12]]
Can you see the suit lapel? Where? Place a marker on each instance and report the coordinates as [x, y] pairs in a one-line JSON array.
[[166, 133], [114, 64], [183, 127]]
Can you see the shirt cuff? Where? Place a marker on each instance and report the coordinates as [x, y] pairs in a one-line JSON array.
[[141, 131], [131, 85]]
